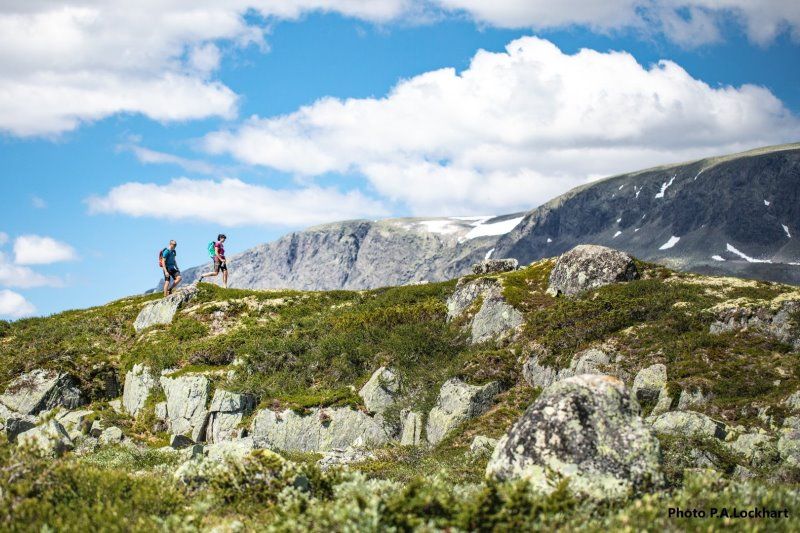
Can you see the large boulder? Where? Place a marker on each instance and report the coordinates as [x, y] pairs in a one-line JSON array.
[[588, 266], [41, 390], [493, 317], [321, 430], [495, 266], [457, 403], [161, 312], [586, 429], [773, 320], [381, 391], [225, 415], [50, 438], [689, 424], [187, 397], [536, 374], [139, 383]]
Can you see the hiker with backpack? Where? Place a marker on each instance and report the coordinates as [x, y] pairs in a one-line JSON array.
[[168, 264], [216, 250]]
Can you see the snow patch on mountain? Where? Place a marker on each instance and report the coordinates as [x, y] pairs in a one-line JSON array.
[[747, 258], [670, 243]]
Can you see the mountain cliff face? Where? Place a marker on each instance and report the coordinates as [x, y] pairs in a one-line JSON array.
[[736, 215]]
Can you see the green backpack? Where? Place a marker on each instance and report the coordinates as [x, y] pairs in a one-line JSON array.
[[212, 249]]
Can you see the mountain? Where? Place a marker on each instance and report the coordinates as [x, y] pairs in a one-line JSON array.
[[733, 215]]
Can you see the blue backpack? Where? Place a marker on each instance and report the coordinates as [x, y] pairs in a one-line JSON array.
[[212, 249]]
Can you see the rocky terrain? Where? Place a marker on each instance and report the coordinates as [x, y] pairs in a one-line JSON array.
[[735, 215], [586, 391]]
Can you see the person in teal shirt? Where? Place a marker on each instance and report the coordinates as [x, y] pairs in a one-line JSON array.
[[170, 267]]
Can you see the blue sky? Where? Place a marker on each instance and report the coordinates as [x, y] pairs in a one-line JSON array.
[[117, 134]]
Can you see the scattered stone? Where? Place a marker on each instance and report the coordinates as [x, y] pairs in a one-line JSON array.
[[160, 411], [495, 319], [139, 383], [226, 413], [691, 400], [585, 428], [457, 403], [111, 435], [161, 312], [793, 402], [482, 445], [17, 424], [75, 422], [179, 442], [381, 391], [97, 429], [116, 406], [495, 266], [187, 397], [344, 456], [689, 424], [41, 390], [743, 473], [591, 361], [650, 388], [50, 438], [755, 448], [230, 449], [411, 434], [588, 266], [774, 321], [466, 294], [319, 431], [789, 447]]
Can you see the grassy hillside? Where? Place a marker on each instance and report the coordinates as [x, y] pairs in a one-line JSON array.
[[316, 349]]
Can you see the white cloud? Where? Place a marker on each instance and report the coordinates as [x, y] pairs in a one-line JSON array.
[[148, 156], [14, 305], [22, 277], [38, 202], [3, 238], [231, 202], [68, 62], [38, 250], [690, 22], [514, 129]]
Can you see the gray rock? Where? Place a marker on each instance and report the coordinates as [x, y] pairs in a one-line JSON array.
[[589, 266], [650, 387], [41, 390], [411, 433], [231, 449], [116, 405], [793, 402], [225, 415], [773, 322], [467, 293], [320, 431], [97, 429], [111, 435], [591, 361], [179, 442], [218, 459], [139, 383], [482, 445], [161, 312], [381, 391], [160, 411], [584, 428], [187, 397], [495, 319], [689, 424], [75, 422], [344, 456], [691, 399], [755, 448], [789, 447], [17, 424], [457, 403], [742, 473], [495, 266], [50, 438]]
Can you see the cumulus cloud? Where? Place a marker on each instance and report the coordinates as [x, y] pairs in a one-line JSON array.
[[38, 250], [14, 305], [67, 62], [22, 277], [148, 156], [690, 22], [513, 129], [232, 202]]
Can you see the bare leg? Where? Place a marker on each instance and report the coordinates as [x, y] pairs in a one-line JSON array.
[[225, 278], [166, 288], [175, 284]]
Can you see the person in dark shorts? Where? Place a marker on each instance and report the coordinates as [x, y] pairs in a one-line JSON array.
[[170, 267], [220, 263]]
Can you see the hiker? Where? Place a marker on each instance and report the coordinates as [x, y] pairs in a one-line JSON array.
[[217, 251], [170, 267]]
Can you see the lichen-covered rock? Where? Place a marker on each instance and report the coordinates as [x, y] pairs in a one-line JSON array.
[[457, 403], [773, 320], [482, 445], [755, 448], [41, 390], [591, 361], [495, 319], [411, 432], [75, 422], [225, 415], [111, 435], [587, 429], [16, 424], [218, 459], [344, 456], [467, 293], [495, 266], [50, 438], [789, 446], [691, 399], [187, 397], [139, 383], [160, 312], [650, 388], [319, 431], [588, 266], [689, 424], [381, 391]]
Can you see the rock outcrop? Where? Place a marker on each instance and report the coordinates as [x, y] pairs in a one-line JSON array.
[[50, 438], [161, 312], [481, 445], [381, 391], [41, 390], [411, 428], [457, 403], [321, 430], [139, 383], [588, 266], [225, 415], [650, 388], [689, 424], [590, 361], [187, 397], [493, 319], [775, 321], [495, 266], [587, 429]]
